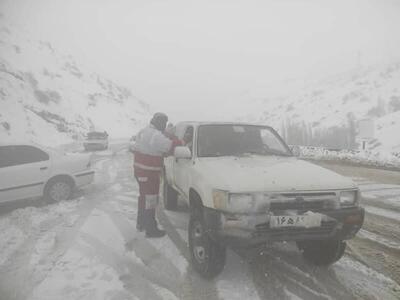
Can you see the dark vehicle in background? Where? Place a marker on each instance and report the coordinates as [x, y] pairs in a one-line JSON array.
[[96, 140]]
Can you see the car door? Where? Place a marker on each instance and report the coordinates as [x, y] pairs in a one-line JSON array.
[[182, 166], [23, 171]]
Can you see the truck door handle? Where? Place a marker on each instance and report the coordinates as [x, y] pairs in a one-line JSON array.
[[43, 168]]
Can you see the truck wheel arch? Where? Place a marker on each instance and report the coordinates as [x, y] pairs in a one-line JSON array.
[[195, 201]]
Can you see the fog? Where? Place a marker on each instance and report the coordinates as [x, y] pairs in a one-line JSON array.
[[206, 59], [297, 197]]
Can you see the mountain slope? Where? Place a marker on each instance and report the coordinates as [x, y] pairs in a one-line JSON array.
[[326, 107], [47, 97]]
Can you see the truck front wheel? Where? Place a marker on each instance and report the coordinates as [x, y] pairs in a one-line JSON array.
[[207, 256], [322, 253]]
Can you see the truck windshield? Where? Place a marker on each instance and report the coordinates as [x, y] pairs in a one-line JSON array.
[[239, 140]]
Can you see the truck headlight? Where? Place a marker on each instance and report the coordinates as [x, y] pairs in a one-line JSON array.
[[239, 203], [348, 198]]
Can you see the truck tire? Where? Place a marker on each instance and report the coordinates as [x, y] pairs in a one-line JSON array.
[[170, 196], [207, 256], [322, 253]]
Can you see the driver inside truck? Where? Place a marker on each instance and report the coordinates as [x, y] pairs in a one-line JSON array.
[[188, 138]]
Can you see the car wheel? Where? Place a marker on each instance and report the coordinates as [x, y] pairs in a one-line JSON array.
[[322, 253], [170, 196], [59, 190], [207, 256]]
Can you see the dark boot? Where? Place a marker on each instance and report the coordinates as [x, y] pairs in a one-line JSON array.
[[152, 230], [140, 216], [139, 221]]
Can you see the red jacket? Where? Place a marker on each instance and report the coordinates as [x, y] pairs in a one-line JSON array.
[[150, 149]]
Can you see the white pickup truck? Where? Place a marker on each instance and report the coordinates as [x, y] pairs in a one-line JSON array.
[[245, 187]]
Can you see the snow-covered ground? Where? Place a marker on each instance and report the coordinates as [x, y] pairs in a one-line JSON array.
[[88, 248], [367, 157]]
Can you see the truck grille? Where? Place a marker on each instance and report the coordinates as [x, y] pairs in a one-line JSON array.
[[326, 229], [303, 202], [297, 205]]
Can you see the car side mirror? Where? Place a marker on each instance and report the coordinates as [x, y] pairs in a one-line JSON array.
[[295, 150], [182, 152]]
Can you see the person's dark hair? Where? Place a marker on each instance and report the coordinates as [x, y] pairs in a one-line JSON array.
[[159, 121]]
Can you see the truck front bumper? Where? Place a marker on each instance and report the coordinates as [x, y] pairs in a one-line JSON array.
[[252, 230]]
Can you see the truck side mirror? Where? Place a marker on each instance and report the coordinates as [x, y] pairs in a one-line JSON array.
[[182, 152]]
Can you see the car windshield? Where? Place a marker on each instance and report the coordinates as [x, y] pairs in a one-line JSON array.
[[239, 140], [96, 135]]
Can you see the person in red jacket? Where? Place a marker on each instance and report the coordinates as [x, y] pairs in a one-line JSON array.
[[151, 146]]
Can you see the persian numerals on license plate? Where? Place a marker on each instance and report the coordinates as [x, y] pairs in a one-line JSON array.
[[295, 221]]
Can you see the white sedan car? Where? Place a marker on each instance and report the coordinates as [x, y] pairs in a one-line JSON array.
[[28, 170]]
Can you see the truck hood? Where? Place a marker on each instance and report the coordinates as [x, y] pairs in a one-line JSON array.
[[269, 173]]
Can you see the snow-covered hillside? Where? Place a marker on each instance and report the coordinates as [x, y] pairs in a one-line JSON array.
[[372, 93], [47, 97]]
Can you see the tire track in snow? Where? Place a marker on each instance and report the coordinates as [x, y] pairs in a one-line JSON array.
[[280, 268], [235, 281], [18, 278], [381, 212], [391, 244], [194, 287], [137, 279], [144, 250]]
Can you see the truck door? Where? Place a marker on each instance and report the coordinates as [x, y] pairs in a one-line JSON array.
[[181, 166]]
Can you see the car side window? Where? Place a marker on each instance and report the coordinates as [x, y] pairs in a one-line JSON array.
[[20, 155]]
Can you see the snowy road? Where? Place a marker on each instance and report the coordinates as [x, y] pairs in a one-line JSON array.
[[88, 248]]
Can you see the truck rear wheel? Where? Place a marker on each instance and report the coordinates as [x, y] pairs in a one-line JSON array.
[[322, 253], [207, 256], [170, 196]]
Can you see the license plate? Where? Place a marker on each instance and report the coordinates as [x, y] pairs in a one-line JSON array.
[[306, 221]]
